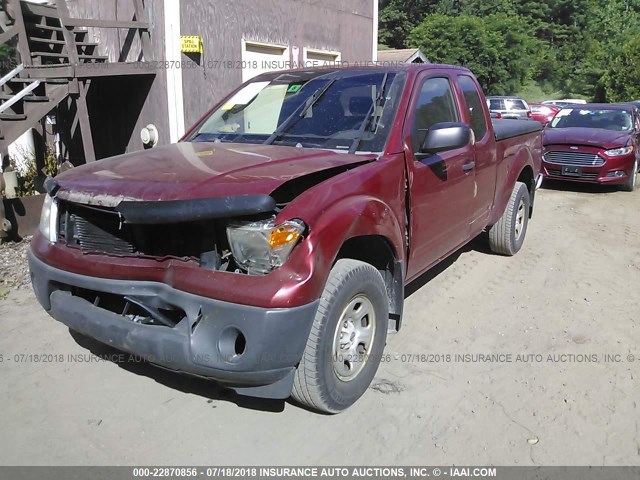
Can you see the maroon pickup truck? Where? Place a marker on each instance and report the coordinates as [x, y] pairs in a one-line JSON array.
[[269, 249]]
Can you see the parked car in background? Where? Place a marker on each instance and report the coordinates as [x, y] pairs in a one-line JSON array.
[[509, 107], [543, 113], [564, 102], [596, 143]]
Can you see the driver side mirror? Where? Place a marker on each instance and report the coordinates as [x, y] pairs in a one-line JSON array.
[[445, 136]]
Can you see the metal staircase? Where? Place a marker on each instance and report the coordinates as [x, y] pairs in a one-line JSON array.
[[58, 60]]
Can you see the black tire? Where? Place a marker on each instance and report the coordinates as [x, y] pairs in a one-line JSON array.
[[507, 236], [630, 184], [317, 383]]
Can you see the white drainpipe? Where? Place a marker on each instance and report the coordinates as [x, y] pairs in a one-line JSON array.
[[174, 74], [376, 18]]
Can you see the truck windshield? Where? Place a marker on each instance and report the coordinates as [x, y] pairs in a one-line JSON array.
[[337, 110]]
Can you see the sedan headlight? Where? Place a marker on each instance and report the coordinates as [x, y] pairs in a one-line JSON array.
[[49, 219], [260, 247], [618, 152]]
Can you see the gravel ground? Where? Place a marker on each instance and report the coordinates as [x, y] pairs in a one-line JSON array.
[[14, 271], [568, 304]]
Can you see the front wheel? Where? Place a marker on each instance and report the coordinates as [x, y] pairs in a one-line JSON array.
[[630, 184], [507, 236], [346, 341]]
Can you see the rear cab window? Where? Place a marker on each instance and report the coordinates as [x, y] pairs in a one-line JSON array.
[[474, 104]]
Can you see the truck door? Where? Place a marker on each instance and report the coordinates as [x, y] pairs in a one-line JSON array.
[[485, 153], [441, 185]]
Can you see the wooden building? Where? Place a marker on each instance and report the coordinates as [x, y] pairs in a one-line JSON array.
[[91, 74]]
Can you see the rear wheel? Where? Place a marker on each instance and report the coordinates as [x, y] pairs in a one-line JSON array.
[[346, 341], [507, 236], [630, 184]]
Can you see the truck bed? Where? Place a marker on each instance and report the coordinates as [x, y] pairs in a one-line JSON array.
[[506, 128]]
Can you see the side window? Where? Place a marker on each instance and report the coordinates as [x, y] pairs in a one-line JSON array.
[[472, 97], [436, 104]]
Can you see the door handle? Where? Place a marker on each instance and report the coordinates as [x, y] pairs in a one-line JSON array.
[[467, 167]]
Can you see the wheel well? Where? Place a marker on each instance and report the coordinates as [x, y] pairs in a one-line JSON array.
[[526, 177], [377, 251]]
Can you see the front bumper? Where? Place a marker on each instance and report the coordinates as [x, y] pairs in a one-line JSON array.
[[603, 174], [204, 343]]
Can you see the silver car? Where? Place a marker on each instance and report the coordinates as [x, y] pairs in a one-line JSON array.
[[509, 107]]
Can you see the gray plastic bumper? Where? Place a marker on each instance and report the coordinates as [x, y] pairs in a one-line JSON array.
[[274, 338]]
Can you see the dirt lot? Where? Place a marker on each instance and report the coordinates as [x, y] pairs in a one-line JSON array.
[[554, 311]]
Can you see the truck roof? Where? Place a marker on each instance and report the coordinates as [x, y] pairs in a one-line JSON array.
[[365, 67]]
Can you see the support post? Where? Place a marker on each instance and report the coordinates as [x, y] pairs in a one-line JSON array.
[[23, 41]]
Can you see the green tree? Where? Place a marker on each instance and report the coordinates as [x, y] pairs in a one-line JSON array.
[[498, 48], [576, 47], [621, 81]]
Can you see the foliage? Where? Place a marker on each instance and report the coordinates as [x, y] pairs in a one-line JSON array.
[[27, 179], [7, 58], [497, 48], [576, 48], [621, 82]]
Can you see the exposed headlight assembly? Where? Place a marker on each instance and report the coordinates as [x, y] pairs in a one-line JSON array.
[[49, 219], [260, 247], [618, 152]]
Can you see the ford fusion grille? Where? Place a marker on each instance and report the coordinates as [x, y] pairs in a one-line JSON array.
[[583, 175], [574, 158]]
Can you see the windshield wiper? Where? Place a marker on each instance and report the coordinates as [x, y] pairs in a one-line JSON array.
[[367, 120], [296, 116]]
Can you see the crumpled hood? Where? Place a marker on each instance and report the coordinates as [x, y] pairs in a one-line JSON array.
[[592, 137], [196, 170]]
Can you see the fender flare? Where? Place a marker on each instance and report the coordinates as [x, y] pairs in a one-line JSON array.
[[516, 164]]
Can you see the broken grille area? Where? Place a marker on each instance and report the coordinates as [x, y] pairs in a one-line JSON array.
[[101, 233], [104, 230], [135, 309]]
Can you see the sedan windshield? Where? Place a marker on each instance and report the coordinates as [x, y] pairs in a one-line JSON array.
[[617, 120], [309, 109]]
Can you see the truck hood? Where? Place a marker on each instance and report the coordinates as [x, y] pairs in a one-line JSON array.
[[592, 137], [197, 170]]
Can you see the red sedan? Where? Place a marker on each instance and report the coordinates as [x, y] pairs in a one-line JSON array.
[[596, 143], [543, 113]]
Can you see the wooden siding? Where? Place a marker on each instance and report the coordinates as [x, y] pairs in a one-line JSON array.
[[321, 25], [117, 116]]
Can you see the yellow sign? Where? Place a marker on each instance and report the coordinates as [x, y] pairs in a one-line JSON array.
[[191, 44]]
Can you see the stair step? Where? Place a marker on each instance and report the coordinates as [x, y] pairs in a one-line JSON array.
[[61, 42], [66, 56], [57, 81], [23, 80], [12, 117], [36, 98], [41, 26], [48, 55], [46, 40], [28, 98]]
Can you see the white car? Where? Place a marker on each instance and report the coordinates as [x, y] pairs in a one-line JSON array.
[[566, 101]]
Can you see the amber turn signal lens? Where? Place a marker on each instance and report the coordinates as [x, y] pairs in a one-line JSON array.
[[284, 235]]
